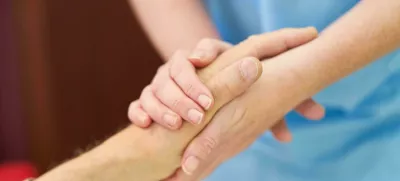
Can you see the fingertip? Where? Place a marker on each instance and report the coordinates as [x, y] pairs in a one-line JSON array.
[[200, 59], [283, 136], [312, 29], [142, 119], [315, 112], [205, 101], [196, 62]]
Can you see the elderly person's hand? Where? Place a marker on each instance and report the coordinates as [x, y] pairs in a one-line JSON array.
[[156, 153], [172, 74]]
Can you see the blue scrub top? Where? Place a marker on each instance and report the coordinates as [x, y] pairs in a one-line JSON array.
[[359, 140]]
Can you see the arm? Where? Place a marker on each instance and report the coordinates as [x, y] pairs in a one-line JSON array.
[[155, 153], [367, 32], [174, 24]]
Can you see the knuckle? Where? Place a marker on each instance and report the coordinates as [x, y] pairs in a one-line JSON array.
[[206, 145], [154, 90], [240, 122], [229, 91], [189, 89], [175, 73], [239, 114], [223, 86], [255, 45], [176, 103]]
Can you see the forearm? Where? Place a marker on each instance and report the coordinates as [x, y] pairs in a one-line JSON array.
[[174, 24], [154, 153], [366, 33], [132, 154]]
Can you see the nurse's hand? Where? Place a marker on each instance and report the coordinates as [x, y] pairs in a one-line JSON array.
[[179, 74], [223, 139]]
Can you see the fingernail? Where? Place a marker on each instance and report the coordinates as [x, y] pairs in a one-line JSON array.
[[248, 69], [198, 54], [170, 119], [205, 101], [143, 118], [195, 116], [190, 165]]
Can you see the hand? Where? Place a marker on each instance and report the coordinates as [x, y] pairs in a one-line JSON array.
[[205, 52], [176, 91], [240, 119], [155, 153]]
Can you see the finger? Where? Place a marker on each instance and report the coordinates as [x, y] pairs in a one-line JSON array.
[[206, 51], [281, 132], [271, 44], [161, 76], [137, 115], [173, 97], [311, 110], [158, 111], [234, 80], [265, 45], [227, 85], [184, 75]]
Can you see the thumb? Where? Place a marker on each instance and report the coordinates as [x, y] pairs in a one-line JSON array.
[[232, 81], [225, 86]]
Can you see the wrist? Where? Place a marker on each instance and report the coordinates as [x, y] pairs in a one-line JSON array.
[[129, 155], [134, 154]]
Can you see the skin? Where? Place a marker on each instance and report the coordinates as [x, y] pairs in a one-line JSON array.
[[155, 153], [293, 80], [365, 33], [176, 93], [340, 50], [192, 94], [126, 155]]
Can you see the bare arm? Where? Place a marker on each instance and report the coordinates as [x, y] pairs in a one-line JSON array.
[[294, 76], [367, 32], [174, 24], [155, 153]]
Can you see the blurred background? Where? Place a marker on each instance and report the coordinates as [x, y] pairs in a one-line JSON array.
[[68, 71]]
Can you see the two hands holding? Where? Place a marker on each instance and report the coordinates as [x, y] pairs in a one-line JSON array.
[[180, 91]]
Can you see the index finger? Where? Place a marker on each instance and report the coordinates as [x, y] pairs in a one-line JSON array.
[[262, 46]]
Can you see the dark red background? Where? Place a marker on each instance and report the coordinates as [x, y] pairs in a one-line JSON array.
[[69, 69]]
